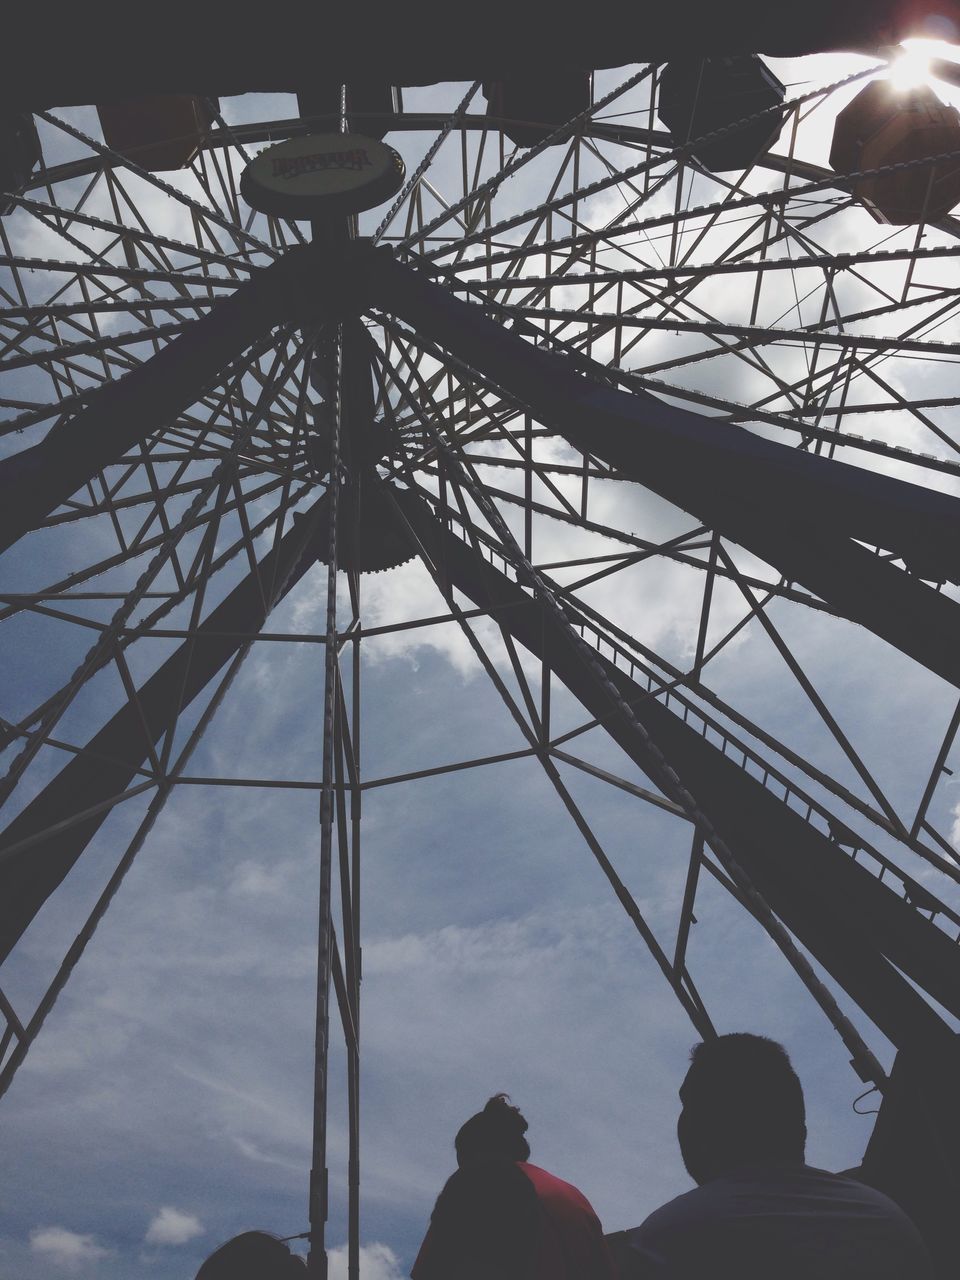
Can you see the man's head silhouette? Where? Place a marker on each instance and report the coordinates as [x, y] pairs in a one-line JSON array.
[[742, 1105]]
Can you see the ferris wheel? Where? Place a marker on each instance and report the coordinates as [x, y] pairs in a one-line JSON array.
[[596, 351]]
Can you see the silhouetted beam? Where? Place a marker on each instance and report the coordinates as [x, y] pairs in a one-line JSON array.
[[367, 438], [643, 431], [851, 922], [93, 52], [108, 764], [124, 413], [914, 1151], [795, 510]]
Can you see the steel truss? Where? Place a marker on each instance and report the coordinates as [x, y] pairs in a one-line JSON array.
[[506, 382]]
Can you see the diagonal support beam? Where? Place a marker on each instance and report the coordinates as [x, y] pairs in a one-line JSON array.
[[797, 511], [855, 925], [105, 767], [125, 413]]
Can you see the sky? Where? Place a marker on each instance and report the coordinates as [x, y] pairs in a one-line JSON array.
[[166, 1105]]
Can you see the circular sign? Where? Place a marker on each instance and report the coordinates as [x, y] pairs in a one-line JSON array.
[[322, 173]]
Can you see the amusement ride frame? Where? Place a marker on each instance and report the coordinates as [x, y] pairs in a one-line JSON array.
[[396, 371]]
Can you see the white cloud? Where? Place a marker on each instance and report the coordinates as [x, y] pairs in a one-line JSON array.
[[409, 592], [256, 880], [66, 1249], [377, 1262], [173, 1226], [955, 829]]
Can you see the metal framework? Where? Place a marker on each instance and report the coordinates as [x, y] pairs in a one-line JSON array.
[[507, 384]]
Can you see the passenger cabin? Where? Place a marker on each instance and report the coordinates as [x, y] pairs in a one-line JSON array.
[[158, 133], [884, 127], [698, 96], [19, 153], [534, 106]]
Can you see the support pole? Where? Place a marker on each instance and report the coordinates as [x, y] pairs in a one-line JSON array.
[[317, 1259]]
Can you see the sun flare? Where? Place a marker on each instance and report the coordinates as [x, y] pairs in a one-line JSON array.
[[910, 70], [922, 62]]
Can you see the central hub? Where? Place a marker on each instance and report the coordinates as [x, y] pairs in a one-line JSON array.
[[322, 174]]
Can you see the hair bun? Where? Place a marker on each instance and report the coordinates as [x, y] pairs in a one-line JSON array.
[[500, 1110], [495, 1133]]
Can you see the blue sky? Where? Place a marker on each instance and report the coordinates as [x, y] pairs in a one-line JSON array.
[[176, 1070], [166, 1104]]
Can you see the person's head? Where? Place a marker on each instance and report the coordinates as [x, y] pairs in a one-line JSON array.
[[495, 1133], [255, 1255], [742, 1104]]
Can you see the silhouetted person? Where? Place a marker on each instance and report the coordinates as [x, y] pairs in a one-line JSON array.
[[501, 1218], [759, 1211], [255, 1255]]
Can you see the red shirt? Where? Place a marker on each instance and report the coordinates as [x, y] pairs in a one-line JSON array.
[[488, 1214]]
